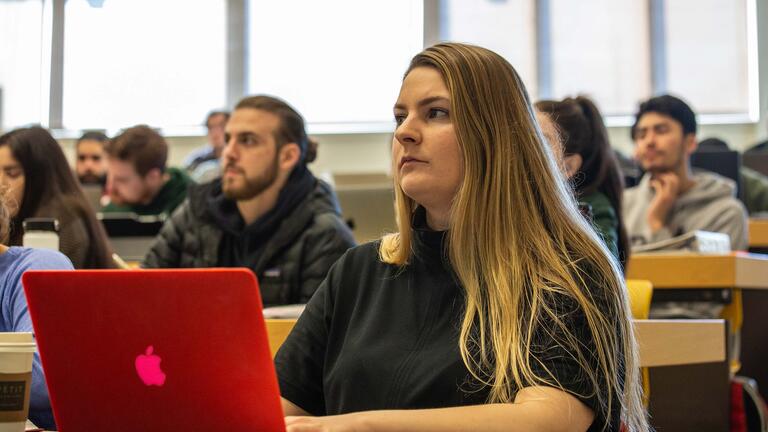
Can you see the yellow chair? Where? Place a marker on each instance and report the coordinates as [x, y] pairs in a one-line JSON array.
[[277, 332], [733, 313], [640, 294]]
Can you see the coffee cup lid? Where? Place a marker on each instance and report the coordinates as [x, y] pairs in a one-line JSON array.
[[18, 347]]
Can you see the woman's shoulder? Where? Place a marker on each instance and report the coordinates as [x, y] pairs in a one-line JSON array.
[[596, 198], [600, 204], [359, 266], [361, 256]]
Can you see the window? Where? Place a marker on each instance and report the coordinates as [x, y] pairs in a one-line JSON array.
[[506, 27], [340, 62], [601, 48], [706, 43], [620, 52], [160, 63], [335, 61], [21, 29]]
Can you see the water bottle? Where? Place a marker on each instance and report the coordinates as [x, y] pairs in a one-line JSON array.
[[41, 233]]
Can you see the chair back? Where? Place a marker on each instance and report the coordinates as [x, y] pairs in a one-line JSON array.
[[277, 332], [640, 293]]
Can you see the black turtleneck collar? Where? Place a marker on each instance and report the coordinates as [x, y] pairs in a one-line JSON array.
[[428, 245]]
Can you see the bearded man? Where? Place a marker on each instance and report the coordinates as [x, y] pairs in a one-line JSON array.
[[267, 212]]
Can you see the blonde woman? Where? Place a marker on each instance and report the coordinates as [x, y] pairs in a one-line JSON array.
[[494, 308]]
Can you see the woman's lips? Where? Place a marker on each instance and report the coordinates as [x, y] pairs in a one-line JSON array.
[[409, 160]]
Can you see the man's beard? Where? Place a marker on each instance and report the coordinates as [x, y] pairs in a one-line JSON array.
[[92, 179], [252, 187]]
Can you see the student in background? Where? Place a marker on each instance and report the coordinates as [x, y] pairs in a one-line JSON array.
[[138, 180], [671, 200], [203, 163], [91, 160], [267, 212], [41, 184], [496, 307], [14, 317], [591, 167], [754, 184], [552, 135]]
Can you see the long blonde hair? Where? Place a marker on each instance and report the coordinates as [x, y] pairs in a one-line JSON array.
[[520, 247]]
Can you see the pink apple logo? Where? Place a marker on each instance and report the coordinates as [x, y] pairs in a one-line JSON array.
[[148, 368]]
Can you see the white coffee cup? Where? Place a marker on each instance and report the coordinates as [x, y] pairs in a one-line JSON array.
[[16, 353], [41, 233]]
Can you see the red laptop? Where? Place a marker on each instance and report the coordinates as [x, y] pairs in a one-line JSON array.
[[154, 350]]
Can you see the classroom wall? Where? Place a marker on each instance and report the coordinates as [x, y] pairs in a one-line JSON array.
[[369, 153]]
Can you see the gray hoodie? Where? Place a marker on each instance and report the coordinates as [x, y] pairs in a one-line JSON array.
[[709, 206]]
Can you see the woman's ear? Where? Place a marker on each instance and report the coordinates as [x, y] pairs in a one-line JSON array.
[[572, 164]]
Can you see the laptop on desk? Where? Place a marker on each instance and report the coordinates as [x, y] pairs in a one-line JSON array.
[[154, 350], [131, 235]]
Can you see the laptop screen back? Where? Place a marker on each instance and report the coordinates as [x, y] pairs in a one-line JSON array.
[[154, 350]]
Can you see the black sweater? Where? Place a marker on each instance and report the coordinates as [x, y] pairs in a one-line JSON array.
[[375, 336]]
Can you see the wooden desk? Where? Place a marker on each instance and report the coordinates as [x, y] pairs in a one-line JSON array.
[[758, 233], [745, 275], [691, 270], [689, 378], [678, 342], [277, 332]]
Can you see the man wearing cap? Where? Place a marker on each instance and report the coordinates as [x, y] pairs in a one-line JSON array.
[[267, 212]]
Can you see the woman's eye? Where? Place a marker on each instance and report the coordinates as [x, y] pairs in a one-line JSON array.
[[437, 113], [399, 119], [13, 172]]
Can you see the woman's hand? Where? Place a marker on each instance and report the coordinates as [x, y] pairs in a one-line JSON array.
[[338, 423]]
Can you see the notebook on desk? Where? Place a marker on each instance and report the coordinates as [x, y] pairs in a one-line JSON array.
[[154, 350]]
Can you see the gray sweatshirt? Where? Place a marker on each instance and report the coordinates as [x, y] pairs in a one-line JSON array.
[[709, 206]]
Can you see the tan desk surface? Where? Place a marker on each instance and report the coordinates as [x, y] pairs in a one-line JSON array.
[[678, 342], [758, 232], [277, 332], [691, 270], [662, 342]]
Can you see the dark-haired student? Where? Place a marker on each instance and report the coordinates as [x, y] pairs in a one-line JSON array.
[[138, 179], [91, 160], [591, 167], [496, 307], [40, 183], [671, 199], [267, 212], [202, 164], [753, 183], [14, 316]]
